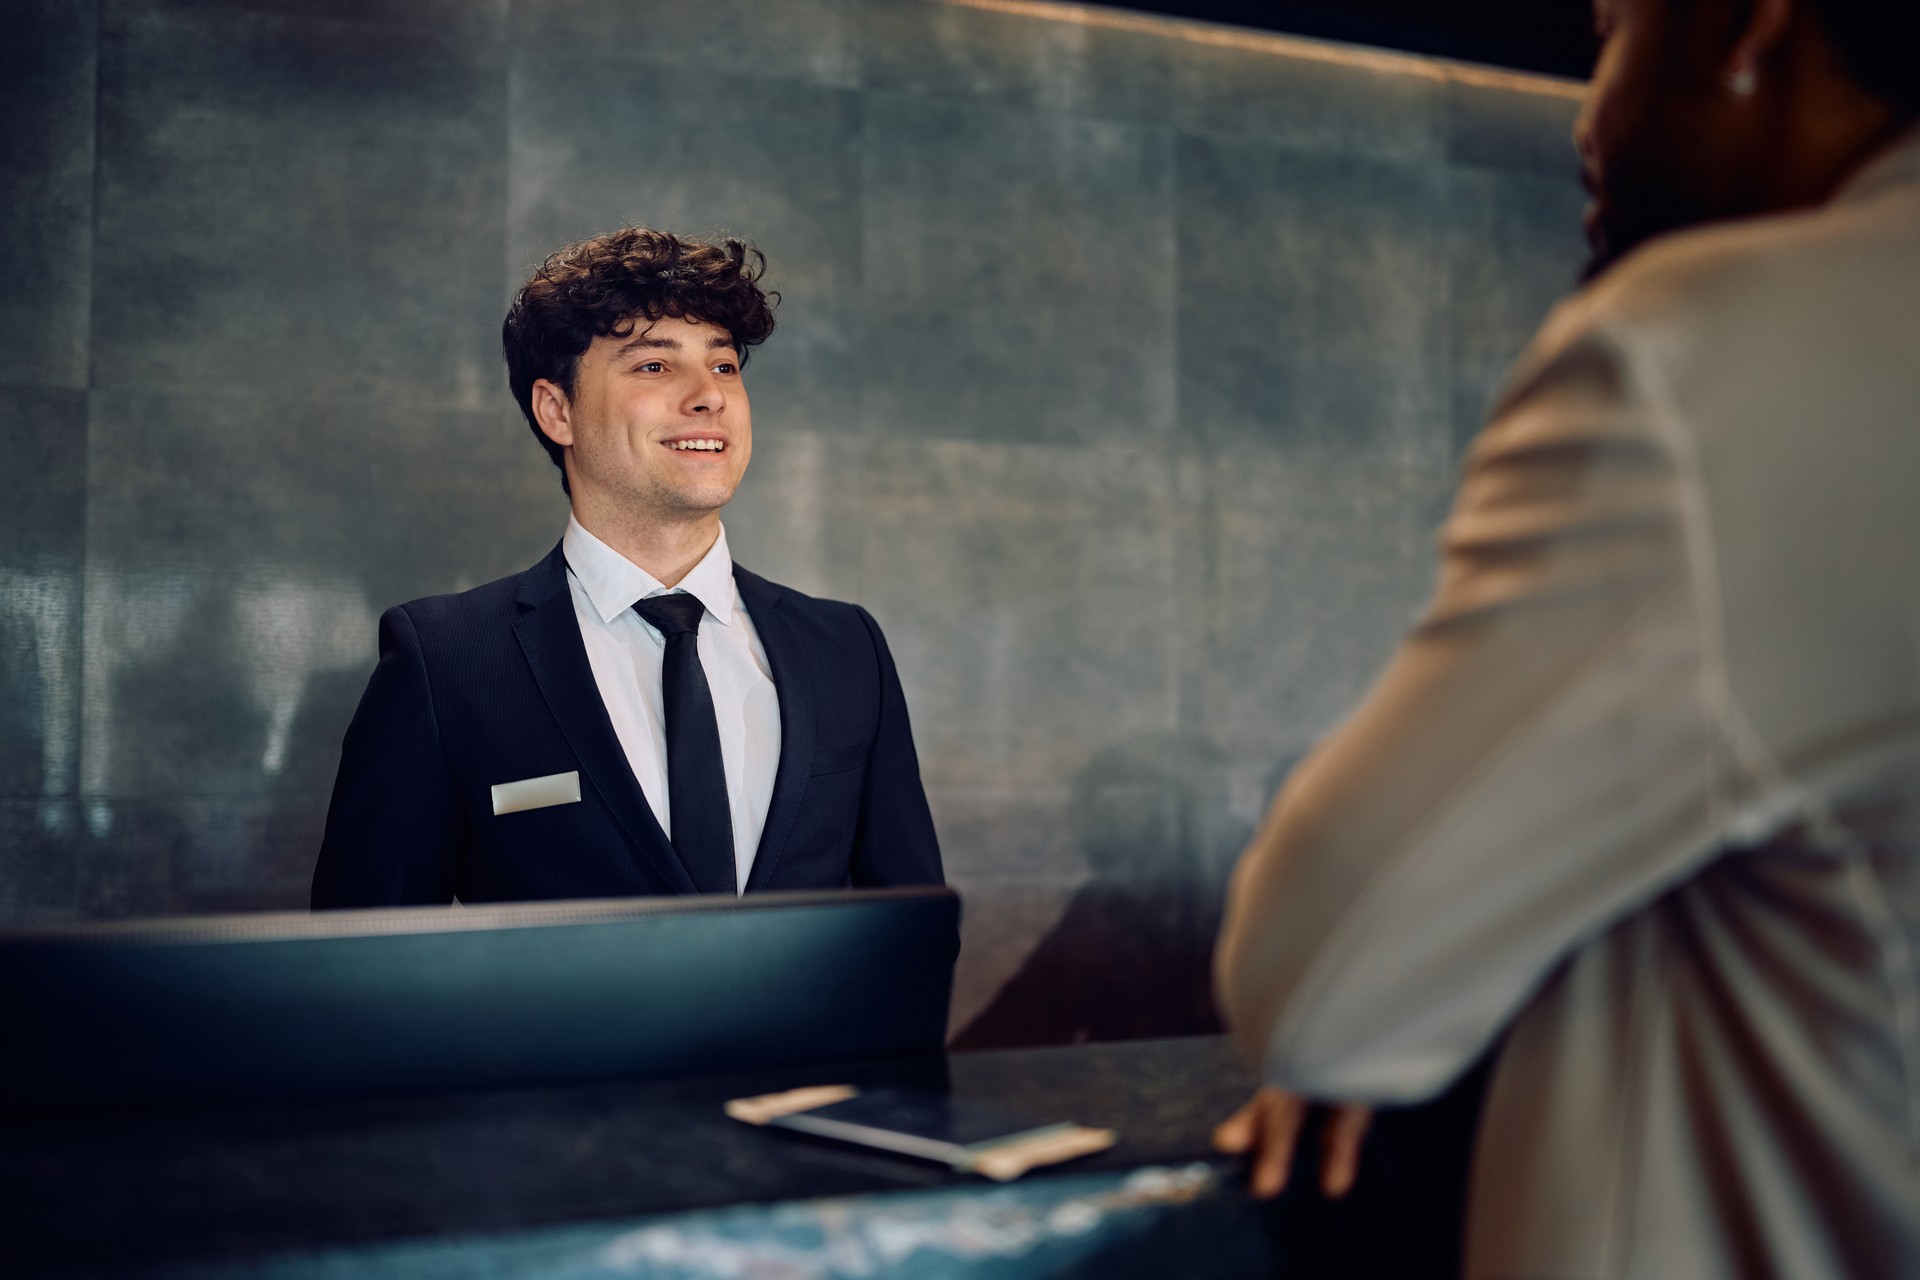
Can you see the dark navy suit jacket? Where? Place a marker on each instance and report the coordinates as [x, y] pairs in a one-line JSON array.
[[493, 686]]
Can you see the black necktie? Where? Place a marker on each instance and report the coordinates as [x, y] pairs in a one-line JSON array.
[[696, 779]]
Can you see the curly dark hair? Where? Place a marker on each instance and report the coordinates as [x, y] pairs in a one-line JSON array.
[[604, 286]]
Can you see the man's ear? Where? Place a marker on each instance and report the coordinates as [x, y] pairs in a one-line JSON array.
[[1754, 41], [553, 411]]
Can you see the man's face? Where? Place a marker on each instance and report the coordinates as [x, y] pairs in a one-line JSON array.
[[1661, 144], [658, 424]]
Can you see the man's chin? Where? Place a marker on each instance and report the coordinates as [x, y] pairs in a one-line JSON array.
[[1610, 239], [1600, 257], [1607, 244], [697, 504], [1607, 240]]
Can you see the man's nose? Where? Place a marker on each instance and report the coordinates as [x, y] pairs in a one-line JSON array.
[[1588, 170], [706, 396]]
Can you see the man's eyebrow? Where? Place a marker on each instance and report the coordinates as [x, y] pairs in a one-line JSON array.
[[641, 341]]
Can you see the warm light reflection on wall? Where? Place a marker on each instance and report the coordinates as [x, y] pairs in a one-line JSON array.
[[1404, 64]]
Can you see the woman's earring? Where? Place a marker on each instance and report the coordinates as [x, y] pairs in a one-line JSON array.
[[1741, 84]]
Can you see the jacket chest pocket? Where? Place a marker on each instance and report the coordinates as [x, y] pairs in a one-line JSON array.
[[840, 759]]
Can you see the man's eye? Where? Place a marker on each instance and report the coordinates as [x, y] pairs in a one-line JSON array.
[[650, 366], [725, 367]]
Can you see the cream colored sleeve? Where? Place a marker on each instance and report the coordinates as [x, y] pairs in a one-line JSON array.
[[1537, 759]]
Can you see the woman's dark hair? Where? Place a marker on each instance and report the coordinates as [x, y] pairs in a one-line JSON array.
[[607, 285], [1878, 41]]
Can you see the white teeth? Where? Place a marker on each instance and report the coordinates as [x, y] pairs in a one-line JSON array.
[[704, 446]]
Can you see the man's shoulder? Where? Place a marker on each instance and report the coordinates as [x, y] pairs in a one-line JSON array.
[[1704, 303], [755, 589], [489, 602], [816, 616], [1786, 275]]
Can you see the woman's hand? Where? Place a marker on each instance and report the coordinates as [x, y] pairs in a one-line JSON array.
[[1266, 1129]]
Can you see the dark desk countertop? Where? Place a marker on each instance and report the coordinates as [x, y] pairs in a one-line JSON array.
[[80, 1192]]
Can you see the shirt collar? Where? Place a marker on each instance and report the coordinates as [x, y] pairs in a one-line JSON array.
[[614, 583]]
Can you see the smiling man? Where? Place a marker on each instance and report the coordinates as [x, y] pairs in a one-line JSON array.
[[1639, 795], [635, 714]]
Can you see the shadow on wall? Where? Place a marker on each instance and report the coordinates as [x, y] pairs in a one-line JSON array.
[[1132, 955]]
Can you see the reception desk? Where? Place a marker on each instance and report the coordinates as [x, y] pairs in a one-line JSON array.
[[643, 1179]]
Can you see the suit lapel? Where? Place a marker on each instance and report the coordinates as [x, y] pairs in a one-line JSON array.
[[550, 637], [793, 685]]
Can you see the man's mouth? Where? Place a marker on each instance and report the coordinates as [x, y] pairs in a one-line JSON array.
[[698, 446]]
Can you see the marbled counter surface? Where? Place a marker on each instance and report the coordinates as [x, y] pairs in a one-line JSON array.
[[105, 1190]]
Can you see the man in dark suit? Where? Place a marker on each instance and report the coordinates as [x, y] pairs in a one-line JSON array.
[[635, 714]]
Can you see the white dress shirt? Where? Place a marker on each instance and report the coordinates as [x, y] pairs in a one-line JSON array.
[[1643, 786], [625, 653]]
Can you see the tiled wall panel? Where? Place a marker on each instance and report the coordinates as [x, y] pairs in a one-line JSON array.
[[1122, 370]]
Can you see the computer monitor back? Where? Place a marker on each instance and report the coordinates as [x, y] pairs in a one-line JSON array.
[[358, 1002]]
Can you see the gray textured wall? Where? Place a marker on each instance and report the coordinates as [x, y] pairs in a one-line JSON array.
[[1121, 373]]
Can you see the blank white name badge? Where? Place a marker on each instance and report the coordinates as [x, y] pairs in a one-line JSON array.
[[536, 793]]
